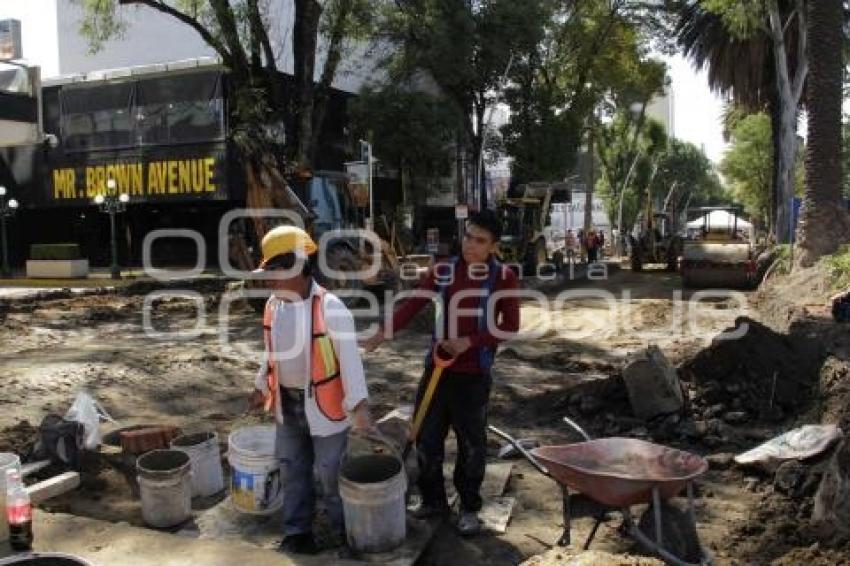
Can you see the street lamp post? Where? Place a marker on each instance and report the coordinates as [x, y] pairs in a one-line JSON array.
[[7, 210], [112, 205], [366, 155]]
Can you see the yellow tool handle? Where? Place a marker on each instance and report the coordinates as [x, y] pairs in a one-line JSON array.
[[422, 410]]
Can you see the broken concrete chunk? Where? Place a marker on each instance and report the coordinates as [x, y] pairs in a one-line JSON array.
[[652, 384], [832, 500]]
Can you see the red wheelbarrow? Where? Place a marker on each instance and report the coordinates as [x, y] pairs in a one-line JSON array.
[[618, 473]]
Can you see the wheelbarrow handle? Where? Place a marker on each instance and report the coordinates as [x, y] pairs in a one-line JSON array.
[[577, 428], [525, 453]]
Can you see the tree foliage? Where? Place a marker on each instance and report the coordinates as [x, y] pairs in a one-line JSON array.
[[686, 178], [241, 33], [409, 130], [628, 149], [590, 51], [748, 165], [467, 48]]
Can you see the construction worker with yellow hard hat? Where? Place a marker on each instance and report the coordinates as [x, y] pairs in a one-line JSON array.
[[311, 378]]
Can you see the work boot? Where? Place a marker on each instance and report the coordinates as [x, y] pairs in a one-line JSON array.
[[468, 524], [302, 543], [425, 511]]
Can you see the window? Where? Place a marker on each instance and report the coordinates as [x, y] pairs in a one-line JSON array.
[[97, 117], [187, 108], [166, 110]]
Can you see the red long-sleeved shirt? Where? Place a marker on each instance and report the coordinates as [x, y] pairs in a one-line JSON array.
[[506, 310]]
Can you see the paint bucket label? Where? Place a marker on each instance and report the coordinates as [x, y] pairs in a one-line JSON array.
[[255, 492]]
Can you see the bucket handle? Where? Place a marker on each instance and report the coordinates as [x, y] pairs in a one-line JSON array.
[[377, 436]]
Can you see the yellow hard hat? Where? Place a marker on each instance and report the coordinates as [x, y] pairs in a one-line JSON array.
[[285, 240]]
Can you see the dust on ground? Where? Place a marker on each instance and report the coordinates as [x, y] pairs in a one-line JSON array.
[[57, 344]]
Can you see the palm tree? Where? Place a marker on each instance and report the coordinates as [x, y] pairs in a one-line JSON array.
[[824, 224], [742, 69]]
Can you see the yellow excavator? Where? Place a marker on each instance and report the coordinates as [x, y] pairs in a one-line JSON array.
[[656, 239], [525, 216]]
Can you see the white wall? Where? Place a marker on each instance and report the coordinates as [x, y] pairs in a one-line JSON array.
[[152, 37], [38, 31], [574, 216]]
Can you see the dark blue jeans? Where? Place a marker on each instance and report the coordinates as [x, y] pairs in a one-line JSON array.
[[460, 403], [300, 454]]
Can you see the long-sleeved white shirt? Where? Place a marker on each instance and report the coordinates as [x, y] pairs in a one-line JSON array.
[[290, 329]]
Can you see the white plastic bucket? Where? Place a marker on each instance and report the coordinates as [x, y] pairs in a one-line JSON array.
[[165, 483], [8, 461], [372, 489], [255, 485], [203, 452]]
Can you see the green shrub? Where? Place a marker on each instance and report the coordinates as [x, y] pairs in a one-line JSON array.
[[55, 251], [839, 267], [782, 254]]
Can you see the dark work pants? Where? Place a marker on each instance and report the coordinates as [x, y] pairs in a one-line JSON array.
[[460, 402], [301, 456]]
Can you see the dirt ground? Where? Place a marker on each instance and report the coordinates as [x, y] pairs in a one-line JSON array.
[[57, 344]]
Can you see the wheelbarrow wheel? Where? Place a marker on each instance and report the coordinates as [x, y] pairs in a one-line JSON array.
[[679, 533]]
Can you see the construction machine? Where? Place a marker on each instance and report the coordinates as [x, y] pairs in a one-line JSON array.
[[719, 251], [330, 199], [525, 216], [655, 241], [326, 201]]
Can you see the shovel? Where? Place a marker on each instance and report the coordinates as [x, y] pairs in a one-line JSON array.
[[419, 415]]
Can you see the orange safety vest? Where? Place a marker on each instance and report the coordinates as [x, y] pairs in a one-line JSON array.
[[325, 381]]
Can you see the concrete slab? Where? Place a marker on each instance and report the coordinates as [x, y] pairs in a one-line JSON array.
[[496, 514]]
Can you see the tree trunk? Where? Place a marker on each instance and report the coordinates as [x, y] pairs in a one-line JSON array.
[[304, 41], [332, 61], [785, 171], [478, 186], [265, 188], [776, 139], [588, 192], [790, 92], [824, 225]]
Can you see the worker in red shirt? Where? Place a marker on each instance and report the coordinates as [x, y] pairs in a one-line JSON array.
[[462, 396]]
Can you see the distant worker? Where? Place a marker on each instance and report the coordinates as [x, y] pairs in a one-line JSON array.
[[570, 247], [311, 378], [592, 246], [601, 246], [466, 285], [582, 246]]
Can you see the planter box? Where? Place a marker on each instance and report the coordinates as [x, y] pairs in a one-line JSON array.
[[57, 268]]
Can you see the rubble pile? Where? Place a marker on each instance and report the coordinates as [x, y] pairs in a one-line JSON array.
[[761, 376]]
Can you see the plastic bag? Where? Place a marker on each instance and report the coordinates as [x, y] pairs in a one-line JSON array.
[[87, 411], [798, 444], [61, 441]]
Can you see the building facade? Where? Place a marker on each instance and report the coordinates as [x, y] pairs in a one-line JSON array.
[[149, 111]]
